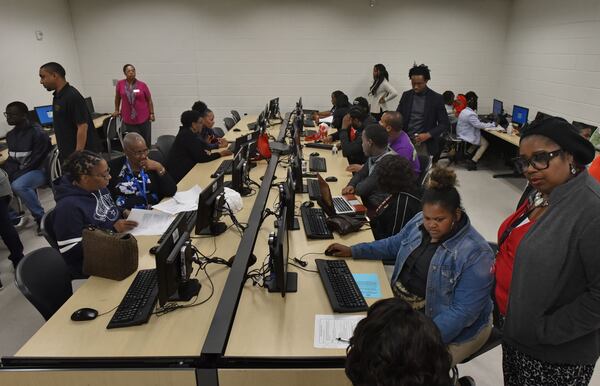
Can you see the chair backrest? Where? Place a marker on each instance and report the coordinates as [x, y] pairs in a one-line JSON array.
[[156, 155], [43, 277], [111, 127], [164, 144], [425, 163], [49, 164], [218, 131], [236, 116], [47, 228], [229, 123]]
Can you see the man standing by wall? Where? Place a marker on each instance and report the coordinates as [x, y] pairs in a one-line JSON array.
[[73, 124]]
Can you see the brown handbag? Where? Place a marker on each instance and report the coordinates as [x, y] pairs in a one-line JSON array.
[[109, 254]]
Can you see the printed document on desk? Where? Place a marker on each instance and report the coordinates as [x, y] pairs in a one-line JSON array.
[[328, 120], [334, 331], [181, 202], [150, 222]]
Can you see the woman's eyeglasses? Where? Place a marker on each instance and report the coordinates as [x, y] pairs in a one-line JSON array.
[[539, 161]]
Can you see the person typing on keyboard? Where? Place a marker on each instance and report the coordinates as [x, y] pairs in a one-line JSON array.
[[365, 182], [443, 266]]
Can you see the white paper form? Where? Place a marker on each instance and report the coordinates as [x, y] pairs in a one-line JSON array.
[[181, 202], [150, 222], [333, 331], [328, 120]]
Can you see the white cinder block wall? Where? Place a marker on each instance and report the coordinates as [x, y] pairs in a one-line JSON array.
[[552, 61], [238, 54], [22, 54]]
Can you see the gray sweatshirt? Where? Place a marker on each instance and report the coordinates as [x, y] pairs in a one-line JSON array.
[[554, 303]]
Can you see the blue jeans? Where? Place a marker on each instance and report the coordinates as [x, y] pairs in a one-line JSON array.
[[25, 187]]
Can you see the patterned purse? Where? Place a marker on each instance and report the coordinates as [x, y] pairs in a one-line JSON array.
[[109, 254]]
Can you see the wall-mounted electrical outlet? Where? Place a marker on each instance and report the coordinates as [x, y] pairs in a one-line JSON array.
[[39, 35]]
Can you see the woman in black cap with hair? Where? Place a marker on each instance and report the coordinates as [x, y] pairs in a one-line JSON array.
[[552, 328]]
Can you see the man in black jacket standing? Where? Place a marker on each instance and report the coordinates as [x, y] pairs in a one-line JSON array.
[[424, 113], [28, 146]]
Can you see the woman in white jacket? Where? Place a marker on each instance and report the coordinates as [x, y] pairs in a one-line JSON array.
[[381, 91]]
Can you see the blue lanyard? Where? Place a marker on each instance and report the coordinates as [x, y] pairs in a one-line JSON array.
[[144, 176]]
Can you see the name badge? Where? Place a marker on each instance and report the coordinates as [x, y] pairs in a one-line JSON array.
[[136, 90]]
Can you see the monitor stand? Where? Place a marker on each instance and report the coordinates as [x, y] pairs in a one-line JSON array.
[[213, 229], [291, 283], [186, 291]]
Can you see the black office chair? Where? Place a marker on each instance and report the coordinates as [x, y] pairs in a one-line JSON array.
[[229, 123], [455, 149], [164, 143], [425, 163], [111, 127], [156, 155], [43, 277], [218, 132], [47, 228], [236, 116]]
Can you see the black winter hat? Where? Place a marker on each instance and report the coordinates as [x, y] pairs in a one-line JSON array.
[[565, 135]]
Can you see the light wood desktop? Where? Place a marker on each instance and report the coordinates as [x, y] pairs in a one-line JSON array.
[[269, 326], [501, 133], [177, 334]]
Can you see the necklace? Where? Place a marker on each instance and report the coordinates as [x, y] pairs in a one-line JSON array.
[[539, 201]]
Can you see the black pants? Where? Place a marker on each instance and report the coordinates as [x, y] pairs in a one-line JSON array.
[[143, 129], [9, 234]]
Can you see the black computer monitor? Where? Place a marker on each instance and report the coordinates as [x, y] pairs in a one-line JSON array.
[[210, 204], [44, 114], [90, 105], [582, 127], [519, 115], [287, 199], [296, 166], [274, 108], [540, 116], [279, 279], [498, 108], [239, 172], [247, 139], [173, 270]]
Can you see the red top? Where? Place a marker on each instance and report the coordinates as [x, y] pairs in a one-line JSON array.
[[594, 168], [506, 255]]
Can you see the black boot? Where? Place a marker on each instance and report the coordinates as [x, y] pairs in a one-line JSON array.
[[471, 165]]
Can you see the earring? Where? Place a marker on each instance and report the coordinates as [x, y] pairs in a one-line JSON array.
[[573, 170]]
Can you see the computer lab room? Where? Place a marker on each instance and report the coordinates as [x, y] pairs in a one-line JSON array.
[[359, 193]]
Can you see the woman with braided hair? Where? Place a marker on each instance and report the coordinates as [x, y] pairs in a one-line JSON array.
[[82, 199]]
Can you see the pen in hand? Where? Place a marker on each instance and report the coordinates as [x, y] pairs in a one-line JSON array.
[[343, 340]]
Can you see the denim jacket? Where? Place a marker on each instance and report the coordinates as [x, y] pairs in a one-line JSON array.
[[459, 282]]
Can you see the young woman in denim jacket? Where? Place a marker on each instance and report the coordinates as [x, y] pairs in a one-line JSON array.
[[443, 266]]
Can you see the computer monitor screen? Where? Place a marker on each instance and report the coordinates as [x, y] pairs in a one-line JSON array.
[[519, 115], [586, 130], [273, 108], [498, 108], [247, 139], [44, 114], [287, 198], [239, 172], [279, 279], [540, 116], [90, 105], [173, 270], [210, 202]]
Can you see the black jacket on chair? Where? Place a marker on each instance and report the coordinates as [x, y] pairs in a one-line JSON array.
[[435, 119]]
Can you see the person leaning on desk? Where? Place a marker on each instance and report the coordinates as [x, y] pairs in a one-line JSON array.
[[81, 200], [552, 328], [443, 266], [189, 148], [137, 181]]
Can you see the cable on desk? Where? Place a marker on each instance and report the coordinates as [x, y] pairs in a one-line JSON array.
[[107, 312]]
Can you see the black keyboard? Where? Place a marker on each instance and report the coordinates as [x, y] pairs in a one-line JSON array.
[[138, 303], [342, 290], [317, 164], [318, 145], [313, 221], [314, 189], [341, 205], [226, 167], [309, 123]]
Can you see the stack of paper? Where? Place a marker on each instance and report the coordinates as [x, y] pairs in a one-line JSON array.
[[334, 331], [150, 222], [181, 202]]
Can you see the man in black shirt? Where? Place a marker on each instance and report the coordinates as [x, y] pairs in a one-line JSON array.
[[72, 122]]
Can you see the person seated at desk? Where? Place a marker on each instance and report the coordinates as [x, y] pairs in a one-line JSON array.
[[324, 114], [425, 117], [365, 182], [397, 345], [82, 199], [136, 180], [350, 134], [468, 129], [213, 136], [28, 147], [443, 266], [189, 148], [8, 233], [341, 113], [398, 139], [403, 199]]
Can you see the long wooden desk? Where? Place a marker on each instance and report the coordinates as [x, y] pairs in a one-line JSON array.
[[501, 133]]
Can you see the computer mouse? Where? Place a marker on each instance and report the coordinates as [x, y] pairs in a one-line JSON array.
[[331, 179], [236, 129], [214, 175], [308, 204], [330, 251], [83, 314], [315, 154]]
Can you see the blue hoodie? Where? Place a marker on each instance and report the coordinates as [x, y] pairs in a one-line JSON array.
[[75, 209]]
